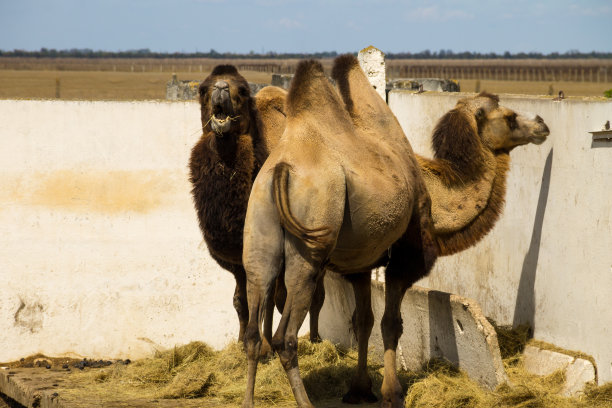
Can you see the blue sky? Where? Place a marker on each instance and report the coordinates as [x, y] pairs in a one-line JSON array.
[[308, 26]]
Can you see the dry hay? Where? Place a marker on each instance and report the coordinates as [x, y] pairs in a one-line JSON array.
[[197, 371]]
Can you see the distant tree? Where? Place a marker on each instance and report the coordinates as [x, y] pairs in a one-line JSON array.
[[425, 54]]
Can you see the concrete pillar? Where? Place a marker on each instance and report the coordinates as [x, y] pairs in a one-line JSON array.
[[372, 62]]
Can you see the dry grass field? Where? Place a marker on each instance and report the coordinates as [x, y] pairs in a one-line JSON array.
[[536, 87], [96, 85], [145, 79]]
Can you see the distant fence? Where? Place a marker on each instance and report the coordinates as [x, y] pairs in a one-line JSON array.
[[579, 70], [505, 70]]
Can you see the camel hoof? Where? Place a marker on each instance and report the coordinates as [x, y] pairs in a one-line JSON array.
[[397, 402], [315, 339], [357, 397]]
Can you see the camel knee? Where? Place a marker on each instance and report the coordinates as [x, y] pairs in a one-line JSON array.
[[278, 343], [252, 341], [363, 321], [392, 328], [240, 304], [288, 355]]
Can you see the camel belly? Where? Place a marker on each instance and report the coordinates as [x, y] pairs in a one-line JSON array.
[[369, 228]]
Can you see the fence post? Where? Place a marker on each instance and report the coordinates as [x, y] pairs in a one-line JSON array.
[[372, 62]]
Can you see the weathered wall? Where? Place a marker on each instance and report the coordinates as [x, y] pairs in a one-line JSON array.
[[100, 252], [548, 261]]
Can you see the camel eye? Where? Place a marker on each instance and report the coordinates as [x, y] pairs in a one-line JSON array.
[[480, 114], [202, 91], [512, 123]]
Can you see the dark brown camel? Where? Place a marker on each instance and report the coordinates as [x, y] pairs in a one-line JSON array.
[[238, 133], [343, 189]]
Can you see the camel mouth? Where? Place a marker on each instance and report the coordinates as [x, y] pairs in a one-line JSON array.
[[219, 113], [221, 121], [539, 137]]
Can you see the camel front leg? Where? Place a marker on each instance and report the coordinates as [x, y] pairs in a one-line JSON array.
[[261, 277], [363, 321], [391, 326], [301, 281], [240, 300]]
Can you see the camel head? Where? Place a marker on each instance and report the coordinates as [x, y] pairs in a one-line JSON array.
[[501, 128], [225, 101], [478, 124]]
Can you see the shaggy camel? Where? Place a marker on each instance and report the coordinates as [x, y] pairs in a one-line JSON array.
[[238, 133], [346, 186]]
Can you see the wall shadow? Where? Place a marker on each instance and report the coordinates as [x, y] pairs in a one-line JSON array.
[[524, 309], [442, 340]]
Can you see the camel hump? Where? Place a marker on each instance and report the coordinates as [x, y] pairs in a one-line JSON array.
[[310, 91], [342, 65], [316, 238]]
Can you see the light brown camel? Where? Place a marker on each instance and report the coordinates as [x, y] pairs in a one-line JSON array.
[[346, 186], [238, 133]]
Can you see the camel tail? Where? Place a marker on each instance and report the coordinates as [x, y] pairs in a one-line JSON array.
[[316, 238]]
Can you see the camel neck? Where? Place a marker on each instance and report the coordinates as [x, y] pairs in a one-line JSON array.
[[226, 147], [464, 211]]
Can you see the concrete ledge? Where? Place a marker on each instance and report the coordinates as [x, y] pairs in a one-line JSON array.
[[578, 371], [28, 389], [436, 325]]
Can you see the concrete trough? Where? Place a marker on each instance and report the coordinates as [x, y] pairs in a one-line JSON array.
[[437, 325]]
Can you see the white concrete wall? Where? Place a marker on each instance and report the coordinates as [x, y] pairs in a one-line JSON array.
[[100, 251], [548, 261], [101, 256]]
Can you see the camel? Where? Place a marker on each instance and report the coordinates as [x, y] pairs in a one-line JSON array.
[[238, 133], [344, 190]]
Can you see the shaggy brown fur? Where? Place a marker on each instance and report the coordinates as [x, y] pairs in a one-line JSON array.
[[449, 244], [458, 152], [223, 166]]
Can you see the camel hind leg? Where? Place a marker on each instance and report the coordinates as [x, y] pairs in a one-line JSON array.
[[280, 296], [263, 262], [315, 308], [301, 277], [260, 292]]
